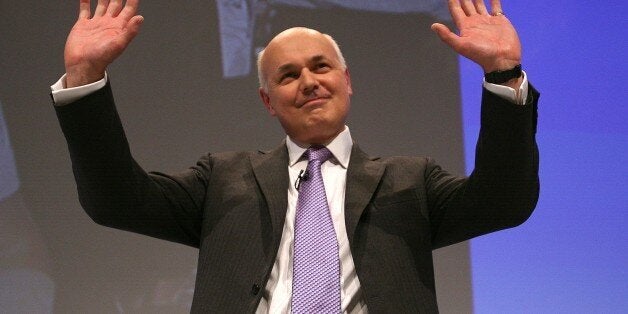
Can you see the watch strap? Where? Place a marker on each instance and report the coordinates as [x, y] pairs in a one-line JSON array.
[[498, 77]]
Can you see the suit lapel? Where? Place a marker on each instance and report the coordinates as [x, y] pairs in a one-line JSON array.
[[363, 177], [271, 173]]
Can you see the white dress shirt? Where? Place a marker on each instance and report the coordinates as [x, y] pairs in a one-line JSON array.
[[278, 291]]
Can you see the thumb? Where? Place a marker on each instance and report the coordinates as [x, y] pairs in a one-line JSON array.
[[133, 27], [446, 35], [121, 42]]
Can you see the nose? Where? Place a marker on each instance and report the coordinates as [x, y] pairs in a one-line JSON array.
[[309, 82]]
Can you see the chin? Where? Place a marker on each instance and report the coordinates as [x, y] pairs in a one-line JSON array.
[[322, 135]]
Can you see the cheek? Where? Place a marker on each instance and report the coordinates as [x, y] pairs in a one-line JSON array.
[[284, 97]]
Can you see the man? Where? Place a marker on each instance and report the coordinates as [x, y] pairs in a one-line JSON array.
[[243, 209]]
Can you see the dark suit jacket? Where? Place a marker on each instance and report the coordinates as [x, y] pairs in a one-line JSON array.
[[232, 206]]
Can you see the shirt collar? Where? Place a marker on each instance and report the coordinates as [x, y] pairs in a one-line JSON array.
[[340, 147]]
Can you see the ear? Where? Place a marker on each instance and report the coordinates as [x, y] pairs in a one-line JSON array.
[[266, 100], [348, 78]]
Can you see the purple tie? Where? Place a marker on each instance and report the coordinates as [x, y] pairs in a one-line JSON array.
[[316, 270]]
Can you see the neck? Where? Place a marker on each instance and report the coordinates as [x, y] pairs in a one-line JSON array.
[[322, 140]]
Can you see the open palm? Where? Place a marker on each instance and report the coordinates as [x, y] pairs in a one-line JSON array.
[[489, 40], [96, 41]]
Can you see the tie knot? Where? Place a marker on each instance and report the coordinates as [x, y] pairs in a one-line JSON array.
[[319, 153]]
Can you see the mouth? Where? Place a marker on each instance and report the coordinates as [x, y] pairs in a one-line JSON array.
[[316, 101]]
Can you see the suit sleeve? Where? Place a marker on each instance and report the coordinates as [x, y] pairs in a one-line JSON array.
[[114, 190], [503, 188]]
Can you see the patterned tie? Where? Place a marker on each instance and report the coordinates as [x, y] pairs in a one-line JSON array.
[[316, 270]]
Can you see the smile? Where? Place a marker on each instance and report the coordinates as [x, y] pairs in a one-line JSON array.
[[315, 101]]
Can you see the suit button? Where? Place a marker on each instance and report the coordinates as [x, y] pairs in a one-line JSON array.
[[255, 289]]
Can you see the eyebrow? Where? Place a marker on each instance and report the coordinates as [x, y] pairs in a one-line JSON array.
[[289, 66]]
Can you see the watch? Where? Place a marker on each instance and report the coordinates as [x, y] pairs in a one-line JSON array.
[[498, 77]]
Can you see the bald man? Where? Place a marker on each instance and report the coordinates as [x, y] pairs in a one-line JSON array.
[[239, 209]]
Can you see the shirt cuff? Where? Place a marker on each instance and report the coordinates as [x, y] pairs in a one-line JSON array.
[[510, 93], [63, 96]]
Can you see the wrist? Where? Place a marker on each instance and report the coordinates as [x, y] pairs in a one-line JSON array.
[[74, 79]]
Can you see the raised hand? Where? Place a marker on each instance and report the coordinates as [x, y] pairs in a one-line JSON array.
[[489, 40], [95, 41]]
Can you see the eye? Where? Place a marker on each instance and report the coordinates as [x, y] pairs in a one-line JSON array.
[[322, 67], [288, 76]]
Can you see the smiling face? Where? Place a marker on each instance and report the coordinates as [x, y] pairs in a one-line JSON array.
[[307, 87]]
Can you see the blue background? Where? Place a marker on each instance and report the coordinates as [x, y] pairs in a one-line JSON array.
[[571, 256]]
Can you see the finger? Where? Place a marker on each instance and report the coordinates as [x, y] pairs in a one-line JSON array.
[[467, 6], [130, 9], [114, 8], [480, 7], [101, 7], [496, 7], [84, 9], [132, 28], [446, 35], [456, 11]]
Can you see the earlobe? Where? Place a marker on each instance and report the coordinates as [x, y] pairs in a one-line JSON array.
[[266, 100]]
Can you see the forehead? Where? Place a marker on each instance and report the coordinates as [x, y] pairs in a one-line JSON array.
[[297, 48]]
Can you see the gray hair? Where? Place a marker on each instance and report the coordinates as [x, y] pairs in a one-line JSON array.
[[263, 83]]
